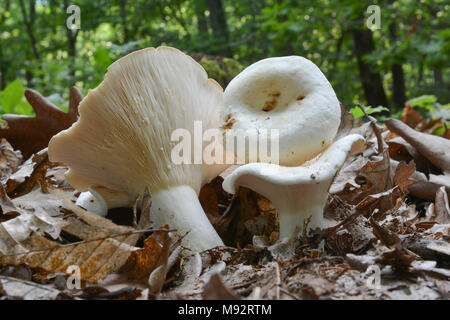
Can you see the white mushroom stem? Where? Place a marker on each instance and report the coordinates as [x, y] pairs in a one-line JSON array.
[[93, 202], [298, 193], [180, 208]]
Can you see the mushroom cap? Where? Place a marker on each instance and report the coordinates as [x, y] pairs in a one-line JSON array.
[[262, 177], [298, 193], [290, 94], [121, 143]]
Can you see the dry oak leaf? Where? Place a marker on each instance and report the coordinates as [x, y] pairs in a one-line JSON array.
[[104, 248], [32, 134], [435, 149], [26, 290], [155, 253], [214, 289], [33, 171], [440, 210], [411, 117], [9, 159], [403, 173]]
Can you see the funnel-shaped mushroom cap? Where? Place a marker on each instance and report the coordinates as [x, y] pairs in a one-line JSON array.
[[290, 94], [122, 145], [122, 141], [300, 192]]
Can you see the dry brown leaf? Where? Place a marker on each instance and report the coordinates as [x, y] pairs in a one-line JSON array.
[[216, 290], [33, 171], [440, 211], [400, 150], [32, 134], [26, 290], [104, 252], [435, 149], [426, 189], [155, 253], [430, 249], [9, 159], [388, 238], [346, 124], [214, 199], [249, 214], [411, 117], [402, 174]]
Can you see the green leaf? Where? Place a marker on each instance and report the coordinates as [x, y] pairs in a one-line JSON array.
[[11, 96], [23, 107], [425, 101], [439, 131], [102, 58], [357, 112]]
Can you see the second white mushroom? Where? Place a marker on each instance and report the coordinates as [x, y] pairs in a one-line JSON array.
[[292, 96]]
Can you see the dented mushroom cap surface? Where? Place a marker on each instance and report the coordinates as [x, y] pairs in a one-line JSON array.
[[121, 143], [290, 94], [298, 193]]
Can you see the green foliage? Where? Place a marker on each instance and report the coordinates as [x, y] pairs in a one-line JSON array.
[[45, 56], [223, 72], [12, 99], [358, 113], [426, 102]]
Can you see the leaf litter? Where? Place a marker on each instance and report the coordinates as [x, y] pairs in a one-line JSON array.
[[388, 233]]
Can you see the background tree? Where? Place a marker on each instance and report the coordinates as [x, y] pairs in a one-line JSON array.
[[407, 57]]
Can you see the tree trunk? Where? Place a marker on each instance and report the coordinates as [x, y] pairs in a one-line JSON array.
[[398, 88], [438, 79], [202, 23], [28, 20], [398, 77], [123, 21], [72, 49], [3, 64], [371, 80], [288, 49], [219, 27]]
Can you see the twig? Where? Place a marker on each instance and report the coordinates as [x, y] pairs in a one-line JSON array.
[[381, 149], [87, 241], [290, 294], [30, 283], [278, 284]]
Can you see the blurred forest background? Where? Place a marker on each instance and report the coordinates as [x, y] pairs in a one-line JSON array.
[[407, 58]]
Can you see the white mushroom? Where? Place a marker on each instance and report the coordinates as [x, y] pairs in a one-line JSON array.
[[298, 193], [290, 94], [121, 143], [93, 202]]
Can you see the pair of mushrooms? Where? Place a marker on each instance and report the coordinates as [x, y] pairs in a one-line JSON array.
[[122, 143]]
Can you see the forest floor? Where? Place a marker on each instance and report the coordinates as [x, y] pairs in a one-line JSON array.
[[388, 234]]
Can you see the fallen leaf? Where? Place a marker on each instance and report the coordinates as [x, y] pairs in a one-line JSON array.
[[33, 171], [402, 174], [439, 211], [411, 117], [155, 253], [9, 159], [103, 253], [26, 290], [214, 289], [435, 149], [214, 199], [32, 134]]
